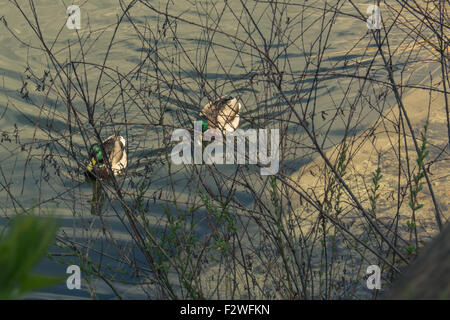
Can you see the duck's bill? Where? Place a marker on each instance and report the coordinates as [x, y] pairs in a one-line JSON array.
[[91, 165]]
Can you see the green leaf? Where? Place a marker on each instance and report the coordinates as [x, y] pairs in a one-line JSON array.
[[22, 246], [32, 282]]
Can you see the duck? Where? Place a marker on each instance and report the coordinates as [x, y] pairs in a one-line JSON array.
[[222, 114], [114, 148]]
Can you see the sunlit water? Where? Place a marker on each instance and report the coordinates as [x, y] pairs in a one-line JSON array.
[[193, 70]]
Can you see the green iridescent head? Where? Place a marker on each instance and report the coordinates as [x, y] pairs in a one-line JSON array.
[[204, 125], [96, 153]]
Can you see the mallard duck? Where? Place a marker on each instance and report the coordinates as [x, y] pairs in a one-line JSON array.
[[114, 147], [222, 114]]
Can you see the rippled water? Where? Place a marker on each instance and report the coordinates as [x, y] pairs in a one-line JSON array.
[[197, 66]]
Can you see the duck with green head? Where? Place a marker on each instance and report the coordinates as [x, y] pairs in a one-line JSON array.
[[222, 114], [112, 153]]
